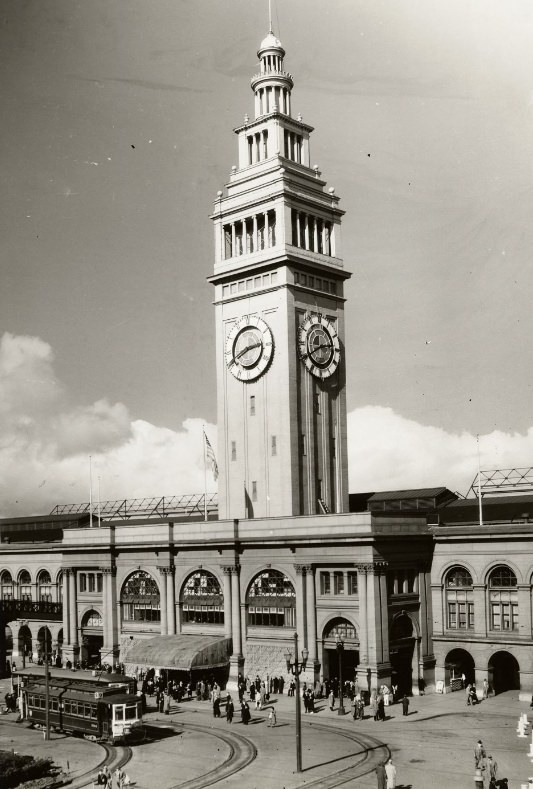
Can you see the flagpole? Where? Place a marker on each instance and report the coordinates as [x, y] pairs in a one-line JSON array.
[[90, 491], [99, 512], [479, 484], [205, 474]]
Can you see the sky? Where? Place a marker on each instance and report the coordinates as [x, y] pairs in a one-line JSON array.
[[117, 120]]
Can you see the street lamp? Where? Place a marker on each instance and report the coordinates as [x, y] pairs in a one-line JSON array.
[[340, 649], [294, 667]]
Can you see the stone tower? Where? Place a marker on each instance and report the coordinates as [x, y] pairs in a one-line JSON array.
[[279, 298]]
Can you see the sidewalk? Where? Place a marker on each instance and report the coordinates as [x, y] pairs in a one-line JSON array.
[[432, 745]]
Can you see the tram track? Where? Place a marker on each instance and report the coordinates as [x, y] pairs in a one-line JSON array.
[[373, 752]]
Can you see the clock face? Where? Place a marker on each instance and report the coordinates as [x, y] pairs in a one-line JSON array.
[[249, 348], [318, 345]]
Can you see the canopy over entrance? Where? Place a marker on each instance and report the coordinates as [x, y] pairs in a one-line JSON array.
[[182, 653]]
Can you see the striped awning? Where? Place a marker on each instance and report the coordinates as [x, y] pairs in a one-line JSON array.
[[183, 652]]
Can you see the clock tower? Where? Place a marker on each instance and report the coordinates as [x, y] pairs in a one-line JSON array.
[[279, 299]]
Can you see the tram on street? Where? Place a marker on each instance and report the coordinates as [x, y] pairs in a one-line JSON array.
[[77, 708], [120, 682]]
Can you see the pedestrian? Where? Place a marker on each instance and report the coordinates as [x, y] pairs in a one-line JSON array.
[[245, 712], [229, 709], [390, 772], [101, 780], [463, 681], [479, 754], [331, 699], [119, 775], [216, 707], [272, 717], [381, 708], [166, 702], [381, 776], [405, 705], [492, 765], [485, 688]]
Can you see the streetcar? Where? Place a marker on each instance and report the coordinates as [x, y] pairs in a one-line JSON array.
[[121, 682], [77, 708]]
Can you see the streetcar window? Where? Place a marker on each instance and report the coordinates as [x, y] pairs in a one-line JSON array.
[[87, 710], [119, 713], [93, 711], [67, 708], [74, 707], [54, 705], [131, 712]]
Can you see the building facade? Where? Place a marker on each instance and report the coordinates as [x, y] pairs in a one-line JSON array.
[[414, 594]]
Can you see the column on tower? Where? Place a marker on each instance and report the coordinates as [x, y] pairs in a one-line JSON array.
[[362, 670], [311, 613], [300, 604], [171, 601], [106, 611], [65, 606], [227, 571], [163, 601], [73, 609]]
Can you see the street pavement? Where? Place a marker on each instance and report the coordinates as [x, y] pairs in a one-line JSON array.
[[431, 747]]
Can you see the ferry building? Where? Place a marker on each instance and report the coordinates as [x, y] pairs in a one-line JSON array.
[[412, 586]]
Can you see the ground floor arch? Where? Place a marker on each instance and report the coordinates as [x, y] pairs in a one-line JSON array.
[[92, 639], [459, 663], [345, 660], [403, 654], [503, 672]]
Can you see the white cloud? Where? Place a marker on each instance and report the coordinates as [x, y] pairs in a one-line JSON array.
[[389, 452], [45, 445]]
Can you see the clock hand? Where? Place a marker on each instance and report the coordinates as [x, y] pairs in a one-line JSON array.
[[319, 347], [248, 348]]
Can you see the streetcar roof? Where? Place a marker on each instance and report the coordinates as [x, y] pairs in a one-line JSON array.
[[80, 675]]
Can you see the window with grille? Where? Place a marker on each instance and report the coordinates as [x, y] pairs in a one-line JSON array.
[[503, 599], [271, 600], [140, 599], [202, 599], [459, 599]]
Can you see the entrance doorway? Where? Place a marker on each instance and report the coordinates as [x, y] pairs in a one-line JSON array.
[[335, 631], [92, 640], [504, 672], [402, 650], [457, 663]]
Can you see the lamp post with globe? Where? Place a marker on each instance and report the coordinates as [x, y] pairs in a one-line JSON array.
[[295, 667]]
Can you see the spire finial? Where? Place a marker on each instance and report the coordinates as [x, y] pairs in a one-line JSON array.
[[270, 16]]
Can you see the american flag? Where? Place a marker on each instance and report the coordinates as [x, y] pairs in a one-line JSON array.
[[210, 457]]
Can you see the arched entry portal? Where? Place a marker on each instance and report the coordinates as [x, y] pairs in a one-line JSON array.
[[334, 630], [44, 638], [457, 663], [504, 672], [25, 648], [92, 639], [401, 650]]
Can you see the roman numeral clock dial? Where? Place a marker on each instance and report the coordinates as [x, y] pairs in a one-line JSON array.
[[318, 345], [249, 348]]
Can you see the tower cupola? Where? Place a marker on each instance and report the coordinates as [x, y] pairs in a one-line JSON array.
[[272, 86]]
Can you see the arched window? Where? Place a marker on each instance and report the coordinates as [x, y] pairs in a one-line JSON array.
[[44, 586], [271, 600], [503, 599], [60, 587], [24, 585], [342, 629], [6, 585], [202, 600], [459, 599], [140, 599]]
